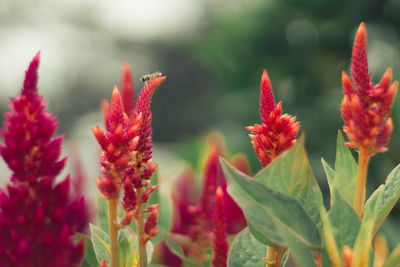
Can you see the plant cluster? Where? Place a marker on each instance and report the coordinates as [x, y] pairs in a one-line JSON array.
[[239, 219]]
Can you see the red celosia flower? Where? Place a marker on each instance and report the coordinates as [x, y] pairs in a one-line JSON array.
[[144, 146], [214, 177], [28, 148], [192, 213], [126, 156], [184, 196], [128, 91], [143, 168], [202, 231], [150, 227], [220, 247], [38, 221], [38, 224], [118, 146], [128, 95], [366, 107], [277, 132]]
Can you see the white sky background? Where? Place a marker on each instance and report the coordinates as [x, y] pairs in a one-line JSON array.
[[74, 33], [78, 37]]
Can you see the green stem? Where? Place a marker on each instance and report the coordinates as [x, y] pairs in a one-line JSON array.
[[363, 160], [140, 232], [112, 218]]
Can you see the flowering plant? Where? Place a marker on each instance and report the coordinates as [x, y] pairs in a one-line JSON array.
[[38, 219], [283, 203], [268, 219]]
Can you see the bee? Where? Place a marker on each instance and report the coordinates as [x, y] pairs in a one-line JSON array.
[[148, 77]]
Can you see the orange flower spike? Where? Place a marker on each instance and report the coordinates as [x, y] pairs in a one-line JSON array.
[[366, 107], [277, 132], [142, 110], [118, 145], [267, 102], [359, 61]]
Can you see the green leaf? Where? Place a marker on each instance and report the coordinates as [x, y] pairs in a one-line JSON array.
[[298, 249], [154, 197], [394, 258], [329, 172], [149, 251], [90, 259], [363, 241], [174, 247], [259, 236], [135, 248], [100, 242], [345, 171], [292, 175], [344, 220], [323, 256], [330, 249], [330, 175], [102, 213], [164, 215], [178, 251], [266, 209], [246, 251], [208, 261], [124, 243], [391, 194]]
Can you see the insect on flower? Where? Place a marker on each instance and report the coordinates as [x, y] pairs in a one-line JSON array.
[[148, 77]]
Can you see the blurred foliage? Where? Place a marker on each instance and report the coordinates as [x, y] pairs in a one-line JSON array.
[[304, 45]]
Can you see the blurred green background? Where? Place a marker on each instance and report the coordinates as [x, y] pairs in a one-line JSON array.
[[213, 53]]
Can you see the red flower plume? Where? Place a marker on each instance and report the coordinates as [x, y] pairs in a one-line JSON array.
[[277, 132], [366, 107], [38, 220]]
